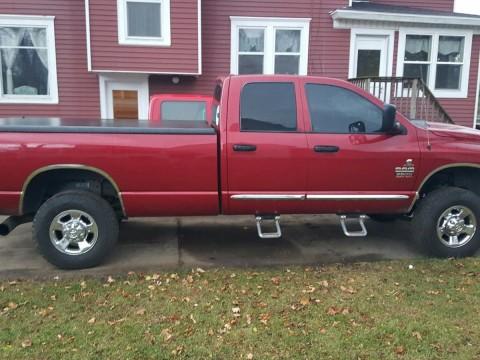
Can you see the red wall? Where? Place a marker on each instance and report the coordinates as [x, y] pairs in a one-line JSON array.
[[328, 53], [78, 90], [107, 54], [441, 5]]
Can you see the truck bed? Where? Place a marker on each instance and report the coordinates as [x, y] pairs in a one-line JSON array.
[[57, 125]]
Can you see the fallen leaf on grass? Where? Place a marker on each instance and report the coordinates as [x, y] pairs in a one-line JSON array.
[[348, 290], [275, 280], [334, 310], [91, 321], [141, 311], [115, 322], [249, 356], [417, 335], [304, 301], [400, 350], [167, 334], [26, 343]]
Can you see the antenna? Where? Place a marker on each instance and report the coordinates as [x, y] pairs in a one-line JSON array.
[[429, 144]]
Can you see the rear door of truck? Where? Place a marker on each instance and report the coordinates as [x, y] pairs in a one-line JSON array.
[[266, 146]]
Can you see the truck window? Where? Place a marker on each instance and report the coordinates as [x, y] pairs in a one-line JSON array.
[[337, 110], [183, 110], [269, 107]]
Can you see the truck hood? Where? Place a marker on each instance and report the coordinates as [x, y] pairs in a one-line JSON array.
[[454, 132]]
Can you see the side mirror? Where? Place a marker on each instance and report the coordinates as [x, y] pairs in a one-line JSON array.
[[390, 124]]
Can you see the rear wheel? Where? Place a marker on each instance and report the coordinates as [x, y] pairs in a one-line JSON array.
[[446, 223], [75, 229]]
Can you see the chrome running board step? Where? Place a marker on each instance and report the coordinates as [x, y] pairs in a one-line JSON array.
[[269, 235], [349, 219]]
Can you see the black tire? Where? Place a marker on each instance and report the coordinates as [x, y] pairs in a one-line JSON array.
[[428, 214], [383, 218], [97, 209]]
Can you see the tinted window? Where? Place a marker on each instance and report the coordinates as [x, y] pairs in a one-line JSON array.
[[183, 110], [341, 111], [268, 107]]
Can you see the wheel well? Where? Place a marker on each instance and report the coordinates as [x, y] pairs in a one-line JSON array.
[[48, 183], [462, 177]]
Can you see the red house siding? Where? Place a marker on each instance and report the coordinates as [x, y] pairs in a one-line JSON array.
[[328, 51], [440, 5], [180, 57], [78, 90]]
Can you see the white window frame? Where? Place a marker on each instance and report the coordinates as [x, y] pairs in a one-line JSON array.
[[435, 34], [46, 22], [125, 39], [270, 25]]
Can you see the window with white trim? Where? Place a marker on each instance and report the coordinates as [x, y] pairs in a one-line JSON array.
[[144, 22], [27, 60], [440, 58], [269, 46]]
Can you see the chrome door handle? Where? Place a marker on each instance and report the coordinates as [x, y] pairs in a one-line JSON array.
[[244, 147], [326, 149]]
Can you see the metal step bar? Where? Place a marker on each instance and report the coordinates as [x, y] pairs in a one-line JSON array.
[[269, 235], [350, 219]]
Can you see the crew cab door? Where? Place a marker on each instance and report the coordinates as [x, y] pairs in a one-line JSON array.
[[353, 166], [266, 147]]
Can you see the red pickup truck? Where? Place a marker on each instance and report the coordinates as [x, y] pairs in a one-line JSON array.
[[278, 145]]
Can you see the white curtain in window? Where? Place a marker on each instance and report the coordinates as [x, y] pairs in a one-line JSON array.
[[10, 37], [450, 46], [415, 45], [39, 40]]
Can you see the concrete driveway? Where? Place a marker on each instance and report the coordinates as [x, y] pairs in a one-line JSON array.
[[219, 241]]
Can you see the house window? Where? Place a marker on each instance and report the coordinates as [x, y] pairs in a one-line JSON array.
[[27, 60], [441, 59], [269, 46], [144, 22]]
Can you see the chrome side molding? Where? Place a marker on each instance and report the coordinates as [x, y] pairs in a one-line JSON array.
[[268, 197], [341, 197], [334, 197]]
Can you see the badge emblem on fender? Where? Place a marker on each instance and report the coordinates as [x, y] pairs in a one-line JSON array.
[[405, 171]]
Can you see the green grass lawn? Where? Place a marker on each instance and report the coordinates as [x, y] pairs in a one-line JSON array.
[[384, 310]]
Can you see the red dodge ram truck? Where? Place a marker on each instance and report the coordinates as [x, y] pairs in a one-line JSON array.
[[278, 145]]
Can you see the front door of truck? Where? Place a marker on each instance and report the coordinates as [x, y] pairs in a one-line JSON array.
[[266, 148], [354, 166]]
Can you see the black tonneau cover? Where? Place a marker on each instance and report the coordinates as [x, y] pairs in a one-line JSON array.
[[57, 125]]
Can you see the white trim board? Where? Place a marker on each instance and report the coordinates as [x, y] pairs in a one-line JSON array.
[[477, 99], [342, 15], [87, 27]]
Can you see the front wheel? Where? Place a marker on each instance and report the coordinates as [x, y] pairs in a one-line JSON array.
[[446, 221], [75, 229]]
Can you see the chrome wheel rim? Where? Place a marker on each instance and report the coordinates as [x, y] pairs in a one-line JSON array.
[[456, 226], [73, 232]]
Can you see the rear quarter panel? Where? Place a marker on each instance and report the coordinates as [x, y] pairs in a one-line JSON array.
[[157, 174]]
